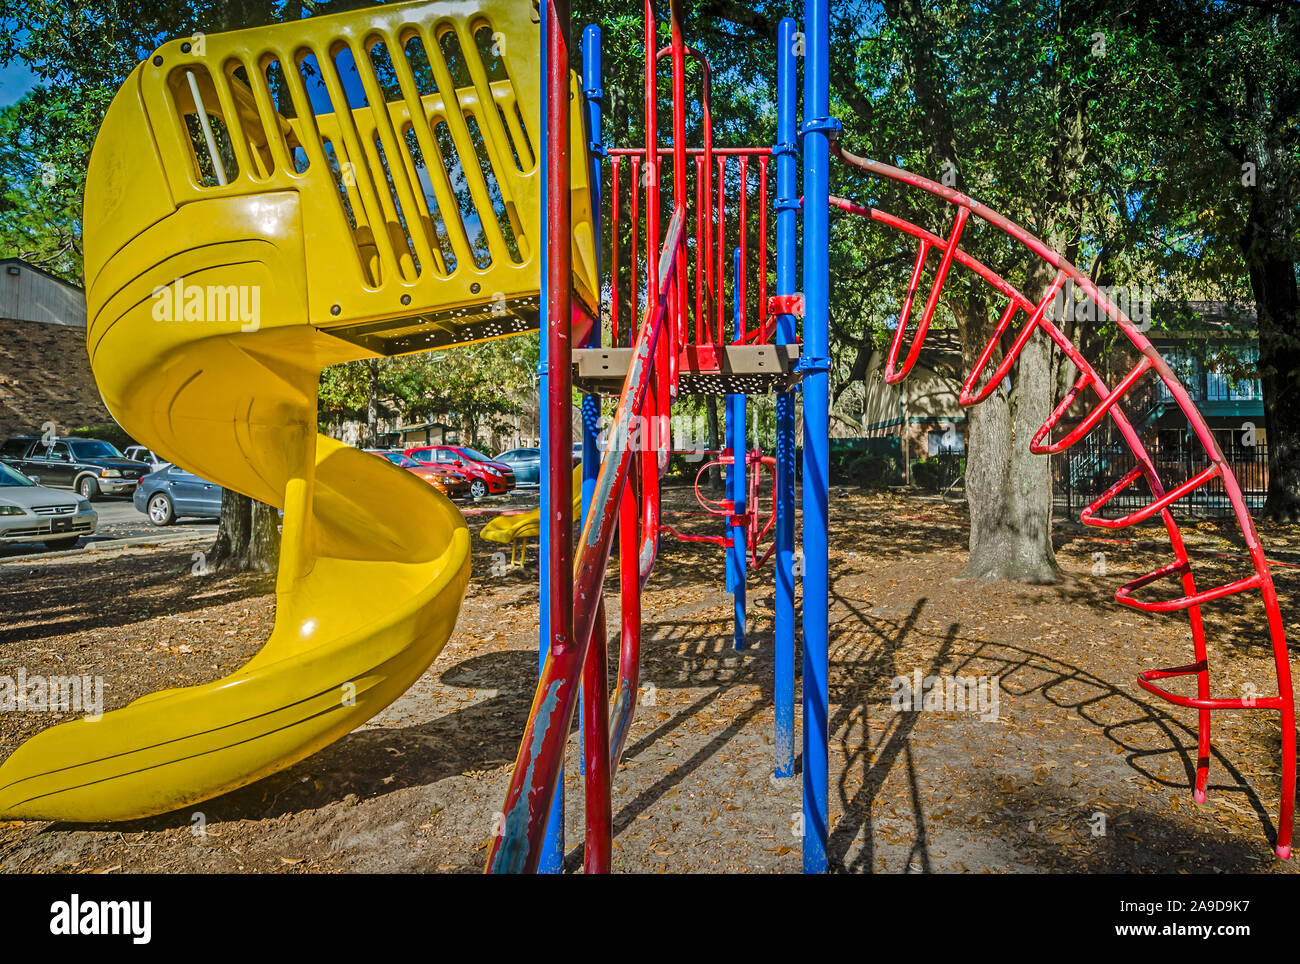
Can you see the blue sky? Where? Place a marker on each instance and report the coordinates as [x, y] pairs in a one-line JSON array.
[[15, 80]]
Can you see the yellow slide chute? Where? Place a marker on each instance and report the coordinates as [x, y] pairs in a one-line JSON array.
[[261, 204], [515, 528]]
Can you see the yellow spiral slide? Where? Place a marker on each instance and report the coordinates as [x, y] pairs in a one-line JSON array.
[[261, 204]]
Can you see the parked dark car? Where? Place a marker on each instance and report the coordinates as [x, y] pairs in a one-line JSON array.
[[88, 466], [525, 463], [486, 477], [171, 493]]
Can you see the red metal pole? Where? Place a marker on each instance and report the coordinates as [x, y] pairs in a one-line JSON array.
[[629, 649], [679, 174], [613, 253], [658, 388], [634, 283], [525, 818], [595, 721], [762, 248], [559, 281], [651, 149], [701, 256], [720, 243], [742, 294]]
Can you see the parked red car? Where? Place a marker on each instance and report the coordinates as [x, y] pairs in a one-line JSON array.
[[486, 477], [451, 483]]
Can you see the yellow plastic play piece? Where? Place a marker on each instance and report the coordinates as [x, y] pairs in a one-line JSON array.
[[213, 308], [512, 528]]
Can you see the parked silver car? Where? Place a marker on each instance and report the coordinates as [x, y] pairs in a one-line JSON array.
[[34, 513], [172, 493]]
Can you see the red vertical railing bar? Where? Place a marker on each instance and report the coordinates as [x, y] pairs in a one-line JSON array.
[[720, 244], [613, 251], [762, 248], [658, 388], [678, 48], [701, 252], [706, 121], [634, 249], [742, 291]]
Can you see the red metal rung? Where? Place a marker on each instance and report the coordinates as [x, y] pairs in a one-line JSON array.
[[1124, 594], [1236, 703], [970, 395], [1090, 421], [893, 374], [1089, 515]]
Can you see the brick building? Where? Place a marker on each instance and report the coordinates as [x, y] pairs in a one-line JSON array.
[[44, 371]]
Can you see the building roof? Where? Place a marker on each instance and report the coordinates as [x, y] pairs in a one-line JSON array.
[[1215, 317], [42, 272], [31, 294]]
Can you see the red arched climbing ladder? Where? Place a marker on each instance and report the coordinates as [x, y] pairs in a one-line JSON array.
[[1107, 404]]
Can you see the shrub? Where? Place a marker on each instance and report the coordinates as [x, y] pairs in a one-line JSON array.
[[874, 470], [927, 474], [112, 433]]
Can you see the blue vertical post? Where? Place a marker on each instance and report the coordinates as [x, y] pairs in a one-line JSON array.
[[815, 364], [552, 858], [593, 90], [787, 204], [738, 442], [594, 99]]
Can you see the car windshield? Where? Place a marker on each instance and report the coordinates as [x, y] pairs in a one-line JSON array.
[[405, 461], [473, 455], [9, 476], [91, 449]]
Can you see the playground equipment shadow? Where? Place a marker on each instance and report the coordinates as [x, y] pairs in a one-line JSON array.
[[910, 791]]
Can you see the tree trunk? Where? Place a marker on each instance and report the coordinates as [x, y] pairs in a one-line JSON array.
[[372, 403], [247, 535], [1008, 488], [1268, 245], [1273, 281]]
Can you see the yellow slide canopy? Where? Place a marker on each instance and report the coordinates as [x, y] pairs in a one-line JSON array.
[[261, 204]]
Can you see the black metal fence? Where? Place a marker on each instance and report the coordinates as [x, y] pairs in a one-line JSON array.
[[1084, 473]]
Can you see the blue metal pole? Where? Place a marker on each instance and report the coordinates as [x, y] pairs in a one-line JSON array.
[[738, 442], [815, 363], [552, 858], [787, 204], [591, 89]]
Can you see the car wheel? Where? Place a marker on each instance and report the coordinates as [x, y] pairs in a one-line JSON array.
[[478, 489], [161, 512], [67, 543], [88, 489]]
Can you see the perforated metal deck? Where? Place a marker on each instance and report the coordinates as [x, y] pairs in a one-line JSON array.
[[703, 369]]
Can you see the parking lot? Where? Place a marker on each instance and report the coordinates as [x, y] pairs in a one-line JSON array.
[[119, 520]]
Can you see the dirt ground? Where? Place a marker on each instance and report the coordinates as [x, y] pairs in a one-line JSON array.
[[1080, 771]]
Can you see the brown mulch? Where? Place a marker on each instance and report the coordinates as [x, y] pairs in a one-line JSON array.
[[1076, 743]]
